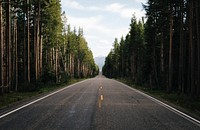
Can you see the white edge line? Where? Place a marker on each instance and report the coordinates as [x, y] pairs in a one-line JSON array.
[[37, 100], [197, 122]]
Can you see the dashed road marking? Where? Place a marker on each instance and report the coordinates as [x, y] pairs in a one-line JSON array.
[[99, 103], [101, 97]]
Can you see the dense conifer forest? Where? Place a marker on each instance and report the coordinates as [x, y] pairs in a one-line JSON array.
[[164, 51], [38, 46]]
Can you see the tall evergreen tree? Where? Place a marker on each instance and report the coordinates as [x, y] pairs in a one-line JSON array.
[[162, 53]]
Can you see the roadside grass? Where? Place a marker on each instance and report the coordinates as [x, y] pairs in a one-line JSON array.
[[183, 102], [14, 97], [10, 98]]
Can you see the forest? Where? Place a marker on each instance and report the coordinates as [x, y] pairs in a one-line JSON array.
[[161, 51], [37, 45]]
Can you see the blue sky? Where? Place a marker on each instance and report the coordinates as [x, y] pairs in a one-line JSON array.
[[102, 20]]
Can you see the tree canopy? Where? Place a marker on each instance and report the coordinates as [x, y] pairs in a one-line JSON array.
[[162, 53], [39, 46]]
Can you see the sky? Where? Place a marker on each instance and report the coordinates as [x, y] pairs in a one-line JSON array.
[[102, 20]]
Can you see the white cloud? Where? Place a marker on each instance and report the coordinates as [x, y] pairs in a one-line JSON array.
[[72, 4], [89, 23], [141, 1], [99, 36], [84, 21], [93, 8], [99, 24], [123, 11], [93, 37], [75, 5], [105, 42], [101, 48], [115, 7]]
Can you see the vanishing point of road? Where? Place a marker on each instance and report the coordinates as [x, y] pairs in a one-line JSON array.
[[96, 104]]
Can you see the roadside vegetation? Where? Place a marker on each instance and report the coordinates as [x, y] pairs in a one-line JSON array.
[[39, 48], [182, 102], [162, 53], [14, 97]]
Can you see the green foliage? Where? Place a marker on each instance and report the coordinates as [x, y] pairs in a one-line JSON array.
[[47, 50], [27, 87], [48, 76], [125, 59], [74, 53], [164, 52], [13, 97]]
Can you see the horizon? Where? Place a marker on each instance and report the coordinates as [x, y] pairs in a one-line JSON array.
[[102, 21]]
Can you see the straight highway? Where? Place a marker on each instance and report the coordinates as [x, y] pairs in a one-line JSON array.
[[96, 104]]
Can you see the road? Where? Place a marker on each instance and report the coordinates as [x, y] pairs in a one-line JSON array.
[[96, 104]]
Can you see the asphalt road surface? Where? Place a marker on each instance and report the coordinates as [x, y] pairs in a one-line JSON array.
[[96, 104]]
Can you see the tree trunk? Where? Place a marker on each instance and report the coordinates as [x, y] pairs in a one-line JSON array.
[[8, 44], [162, 52], [154, 64], [56, 64], [65, 60], [72, 65], [27, 44], [198, 44], [181, 62], [1, 47], [40, 55], [170, 49], [191, 46], [36, 42], [16, 55], [40, 45], [53, 58]]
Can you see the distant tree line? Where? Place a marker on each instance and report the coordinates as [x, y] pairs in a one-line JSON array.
[[36, 45], [162, 53]]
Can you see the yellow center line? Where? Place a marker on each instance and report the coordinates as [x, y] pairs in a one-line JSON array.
[[101, 97], [99, 103]]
